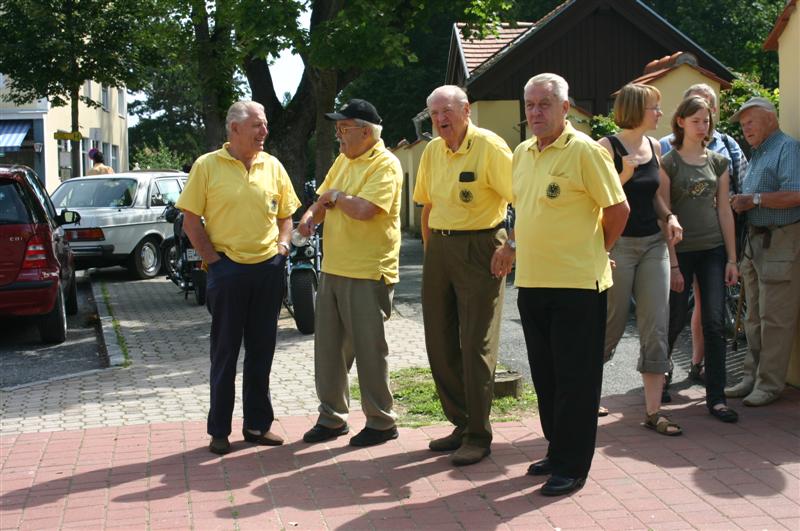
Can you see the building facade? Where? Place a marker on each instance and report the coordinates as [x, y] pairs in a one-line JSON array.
[[28, 133]]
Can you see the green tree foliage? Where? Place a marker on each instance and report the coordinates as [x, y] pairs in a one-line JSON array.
[[603, 125], [742, 89], [731, 30], [50, 47], [158, 157]]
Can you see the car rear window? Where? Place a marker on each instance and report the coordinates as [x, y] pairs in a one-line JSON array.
[[95, 193], [12, 204]]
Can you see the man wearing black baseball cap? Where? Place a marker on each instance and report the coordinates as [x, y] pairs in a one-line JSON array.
[[360, 204]]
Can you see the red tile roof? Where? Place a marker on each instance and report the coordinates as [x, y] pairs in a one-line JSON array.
[[660, 67], [772, 39], [477, 51]]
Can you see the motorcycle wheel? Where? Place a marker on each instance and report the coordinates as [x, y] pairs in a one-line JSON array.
[[303, 284], [170, 257], [199, 277]]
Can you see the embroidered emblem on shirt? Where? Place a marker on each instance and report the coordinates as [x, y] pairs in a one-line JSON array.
[[697, 189], [273, 205], [465, 195], [553, 190]]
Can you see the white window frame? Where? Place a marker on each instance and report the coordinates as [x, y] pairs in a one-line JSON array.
[[105, 98]]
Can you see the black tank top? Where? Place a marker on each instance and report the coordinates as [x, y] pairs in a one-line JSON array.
[[640, 190]]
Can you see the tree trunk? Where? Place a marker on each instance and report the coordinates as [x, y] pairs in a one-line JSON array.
[[325, 91], [75, 144], [210, 68]]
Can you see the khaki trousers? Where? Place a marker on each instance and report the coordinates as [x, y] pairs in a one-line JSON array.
[[772, 288], [349, 326], [461, 305]]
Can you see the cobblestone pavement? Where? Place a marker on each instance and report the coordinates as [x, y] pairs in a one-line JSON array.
[[167, 339]]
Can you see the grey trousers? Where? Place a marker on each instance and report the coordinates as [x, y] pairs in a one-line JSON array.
[[772, 287], [642, 271], [349, 326]]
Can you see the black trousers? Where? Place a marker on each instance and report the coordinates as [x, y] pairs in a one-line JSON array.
[[565, 331], [244, 301]]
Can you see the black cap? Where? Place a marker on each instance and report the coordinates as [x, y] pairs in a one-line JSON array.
[[355, 108]]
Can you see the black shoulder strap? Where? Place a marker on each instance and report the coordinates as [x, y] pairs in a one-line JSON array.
[[653, 151], [734, 164], [619, 152]]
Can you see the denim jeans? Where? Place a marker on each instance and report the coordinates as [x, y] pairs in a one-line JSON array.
[[709, 267]]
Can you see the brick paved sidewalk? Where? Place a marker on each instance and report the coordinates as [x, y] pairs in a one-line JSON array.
[[161, 476]]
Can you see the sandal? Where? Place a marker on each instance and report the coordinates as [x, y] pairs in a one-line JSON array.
[[662, 425], [724, 413], [696, 373]]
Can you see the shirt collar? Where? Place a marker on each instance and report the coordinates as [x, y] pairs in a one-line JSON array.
[[466, 144], [560, 142], [373, 151], [771, 139], [225, 154]]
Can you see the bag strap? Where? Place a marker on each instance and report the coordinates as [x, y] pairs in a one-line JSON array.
[[734, 164]]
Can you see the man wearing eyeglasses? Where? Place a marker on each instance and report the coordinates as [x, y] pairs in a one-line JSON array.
[[359, 200], [464, 186]]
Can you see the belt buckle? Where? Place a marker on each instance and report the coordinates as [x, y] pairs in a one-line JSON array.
[[446, 232]]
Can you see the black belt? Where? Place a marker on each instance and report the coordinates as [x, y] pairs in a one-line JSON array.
[[450, 232]]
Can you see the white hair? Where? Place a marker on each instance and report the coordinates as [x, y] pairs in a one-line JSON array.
[[241, 111], [702, 88], [558, 84], [375, 129], [451, 92]]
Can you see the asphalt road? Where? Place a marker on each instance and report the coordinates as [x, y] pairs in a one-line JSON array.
[[24, 359], [619, 376]]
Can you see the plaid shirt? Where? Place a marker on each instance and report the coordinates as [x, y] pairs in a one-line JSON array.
[[735, 155], [774, 167]]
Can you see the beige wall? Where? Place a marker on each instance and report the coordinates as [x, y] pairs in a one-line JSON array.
[[501, 117], [103, 126], [409, 156], [580, 120], [789, 78], [672, 87]]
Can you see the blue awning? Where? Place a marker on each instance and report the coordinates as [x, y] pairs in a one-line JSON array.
[[12, 133]]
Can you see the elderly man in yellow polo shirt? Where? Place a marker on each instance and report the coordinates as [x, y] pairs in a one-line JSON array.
[[570, 210], [360, 204], [464, 186], [247, 200]]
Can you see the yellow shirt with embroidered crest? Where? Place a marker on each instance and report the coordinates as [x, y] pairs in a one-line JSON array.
[[468, 189], [365, 249], [559, 197], [240, 208]]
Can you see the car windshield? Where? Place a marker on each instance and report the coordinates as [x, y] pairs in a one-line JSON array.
[[95, 193]]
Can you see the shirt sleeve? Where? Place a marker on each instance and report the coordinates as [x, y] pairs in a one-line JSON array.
[[381, 186], [721, 163], [193, 196], [599, 176], [289, 202], [500, 170], [788, 173], [666, 145], [421, 187]]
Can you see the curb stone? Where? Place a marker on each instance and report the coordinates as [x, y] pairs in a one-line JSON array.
[[115, 356]]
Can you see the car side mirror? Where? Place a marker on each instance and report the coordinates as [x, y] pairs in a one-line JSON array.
[[67, 217]]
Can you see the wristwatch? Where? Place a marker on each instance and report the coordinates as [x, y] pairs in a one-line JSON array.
[[757, 199], [512, 244], [285, 246], [335, 197]]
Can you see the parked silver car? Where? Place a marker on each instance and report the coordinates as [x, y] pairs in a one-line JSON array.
[[122, 218]]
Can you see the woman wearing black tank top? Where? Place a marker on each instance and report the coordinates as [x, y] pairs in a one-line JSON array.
[[640, 256]]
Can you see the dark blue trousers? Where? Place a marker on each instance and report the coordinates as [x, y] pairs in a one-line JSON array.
[[244, 301], [565, 333]]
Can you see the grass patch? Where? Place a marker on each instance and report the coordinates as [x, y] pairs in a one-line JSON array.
[[417, 403], [123, 346]]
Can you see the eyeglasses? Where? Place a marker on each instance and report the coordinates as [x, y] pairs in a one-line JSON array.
[[342, 130], [657, 109]]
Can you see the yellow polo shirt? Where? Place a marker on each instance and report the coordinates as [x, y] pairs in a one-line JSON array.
[[559, 194], [366, 249], [240, 207], [468, 189]]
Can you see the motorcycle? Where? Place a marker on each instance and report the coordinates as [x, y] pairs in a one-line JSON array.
[[181, 261], [303, 267]]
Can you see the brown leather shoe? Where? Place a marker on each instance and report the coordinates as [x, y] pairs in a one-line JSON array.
[[469, 454], [265, 439], [449, 443]]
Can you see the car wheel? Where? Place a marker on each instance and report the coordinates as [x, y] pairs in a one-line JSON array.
[[53, 325], [71, 300], [145, 261]]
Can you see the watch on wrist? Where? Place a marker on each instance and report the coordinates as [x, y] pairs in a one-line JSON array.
[[335, 196], [285, 246], [757, 199], [512, 244]]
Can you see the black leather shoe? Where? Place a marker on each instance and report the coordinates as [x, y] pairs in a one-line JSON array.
[[264, 439], [371, 436], [541, 468], [219, 445], [560, 485], [321, 433]]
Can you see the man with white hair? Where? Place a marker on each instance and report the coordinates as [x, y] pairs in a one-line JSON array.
[[464, 186], [247, 201], [771, 266], [570, 210], [360, 203]]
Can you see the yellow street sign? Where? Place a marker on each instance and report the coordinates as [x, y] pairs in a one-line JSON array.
[[67, 135]]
